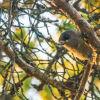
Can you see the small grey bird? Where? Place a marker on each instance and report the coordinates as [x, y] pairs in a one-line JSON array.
[[73, 42]]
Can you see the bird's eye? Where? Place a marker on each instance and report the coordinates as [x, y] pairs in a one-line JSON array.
[[66, 37]]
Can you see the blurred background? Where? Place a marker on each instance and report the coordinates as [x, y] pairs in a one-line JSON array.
[[31, 29]]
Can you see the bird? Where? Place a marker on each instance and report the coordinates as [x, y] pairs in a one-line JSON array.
[[73, 42]]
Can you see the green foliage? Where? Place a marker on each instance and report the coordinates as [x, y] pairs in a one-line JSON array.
[[27, 84], [66, 25], [46, 94], [19, 34]]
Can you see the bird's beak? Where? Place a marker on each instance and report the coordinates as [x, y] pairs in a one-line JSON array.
[[62, 43]]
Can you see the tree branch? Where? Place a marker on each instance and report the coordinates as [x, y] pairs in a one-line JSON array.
[[33, 70]]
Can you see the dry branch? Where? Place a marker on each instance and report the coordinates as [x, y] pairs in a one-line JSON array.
[[33, 70]]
